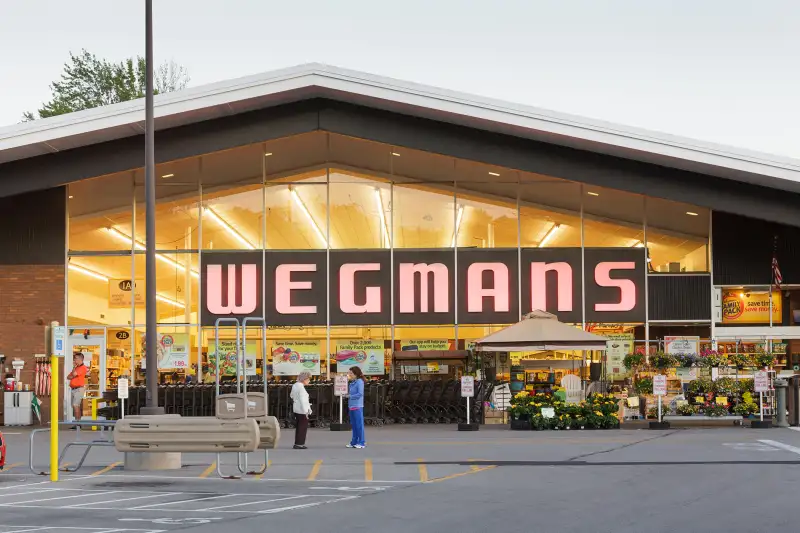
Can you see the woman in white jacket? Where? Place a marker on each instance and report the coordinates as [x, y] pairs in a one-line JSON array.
[[302, 408]]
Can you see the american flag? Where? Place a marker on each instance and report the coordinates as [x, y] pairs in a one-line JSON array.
[[777, 277]]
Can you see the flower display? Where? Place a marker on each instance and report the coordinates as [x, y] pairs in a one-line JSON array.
[[711, 359]]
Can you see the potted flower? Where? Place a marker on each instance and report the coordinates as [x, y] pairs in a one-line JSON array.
[[579, 422], [726, 387], [764, 359], [700, 387], [521, 410], [745, 409], [715, 410], [711, 359], [633, 360], [739, 360], [662, 361], [686, 409], [685, 360], [644, 385]]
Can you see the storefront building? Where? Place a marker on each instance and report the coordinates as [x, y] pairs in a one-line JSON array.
[[362, 217]]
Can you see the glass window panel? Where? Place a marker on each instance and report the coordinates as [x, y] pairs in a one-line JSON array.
[[485, 222], [89, 290], [677, 236], [550, 213], [424, 215], [97, 204], [233, 217], [297, 216], [177, 276], [612, 218], [359, 211]]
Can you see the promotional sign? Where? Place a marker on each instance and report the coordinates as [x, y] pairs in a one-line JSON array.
[[227, 358], [681, 345], [761, 381], [425, 369], [340, 385], [660, 385], [742, 307], [686, 374], [122, 389], [467, 386], [58, 341], [289, 358], [548, 412], [297, 285], [436, 345], [617, 347], [173, 351], [368, 355], [120, 293]]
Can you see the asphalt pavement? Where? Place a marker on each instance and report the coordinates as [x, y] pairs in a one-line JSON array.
[[428, 478]]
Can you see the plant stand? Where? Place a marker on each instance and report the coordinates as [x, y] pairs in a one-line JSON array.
[[336, 426], [472, 426], [521, 425], [761, 424], [659, 425]]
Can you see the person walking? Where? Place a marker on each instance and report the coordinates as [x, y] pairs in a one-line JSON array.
[[302, 408], [356, 404]]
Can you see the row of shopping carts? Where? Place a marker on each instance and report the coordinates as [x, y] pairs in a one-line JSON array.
[[385, 402]]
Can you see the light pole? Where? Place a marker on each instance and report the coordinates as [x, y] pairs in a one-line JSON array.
[[151, 319]]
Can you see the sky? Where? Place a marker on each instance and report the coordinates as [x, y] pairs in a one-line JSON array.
[[725, 71]]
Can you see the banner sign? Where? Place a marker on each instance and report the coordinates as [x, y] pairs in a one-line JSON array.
[[617, 347], [227, 358], [742, 307], [425, 345], [368, 355], [121, 293], [173, 351], [681, 345], [289, 358], [359, 283]]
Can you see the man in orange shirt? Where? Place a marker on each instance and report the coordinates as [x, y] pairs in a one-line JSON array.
[[77, 382]]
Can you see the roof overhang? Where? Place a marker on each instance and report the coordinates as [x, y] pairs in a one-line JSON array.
[[237, 96]]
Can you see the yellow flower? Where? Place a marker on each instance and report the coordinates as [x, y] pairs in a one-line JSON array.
[[522, 394], [598, 413]]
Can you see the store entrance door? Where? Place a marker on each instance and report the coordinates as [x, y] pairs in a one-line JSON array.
[[91, 342]]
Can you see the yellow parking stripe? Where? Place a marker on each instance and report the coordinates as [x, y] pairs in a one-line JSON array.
[[314, 471], [471, 471], [367, 470], [110, 467], [207, 471], [423, 471], [269, 464], [473, 467], [12, 465]]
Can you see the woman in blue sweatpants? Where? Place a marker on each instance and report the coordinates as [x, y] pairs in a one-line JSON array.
[[356, 403]]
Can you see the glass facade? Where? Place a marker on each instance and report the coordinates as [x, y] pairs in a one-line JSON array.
[[323, 191]]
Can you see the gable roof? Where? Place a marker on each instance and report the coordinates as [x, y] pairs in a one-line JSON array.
[[260, 91]]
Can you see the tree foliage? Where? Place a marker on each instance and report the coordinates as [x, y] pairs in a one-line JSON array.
[[88, 81]]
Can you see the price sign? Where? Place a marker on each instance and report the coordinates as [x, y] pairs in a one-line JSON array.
[[548, 412], [340, 385], [722, 400], [467, 386], [122, 389], [660, 385], [761, 381]]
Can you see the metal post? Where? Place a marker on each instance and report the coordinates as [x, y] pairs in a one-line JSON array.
[[780, 403], [467, 410], [54, 379], [151, 321]]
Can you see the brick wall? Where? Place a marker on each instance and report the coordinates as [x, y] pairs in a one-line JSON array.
[[31, 296]]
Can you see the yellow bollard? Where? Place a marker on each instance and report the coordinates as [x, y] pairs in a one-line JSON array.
[[54, 381], [94, 411]]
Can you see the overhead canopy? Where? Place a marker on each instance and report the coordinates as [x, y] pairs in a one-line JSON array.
[[540, 331]]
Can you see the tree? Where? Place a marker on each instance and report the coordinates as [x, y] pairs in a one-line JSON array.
[[88, 82]]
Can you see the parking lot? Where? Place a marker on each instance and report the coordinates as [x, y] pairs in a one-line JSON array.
[[413, 478]]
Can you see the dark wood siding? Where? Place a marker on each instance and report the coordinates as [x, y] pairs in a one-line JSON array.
[[679, 297], [33, 228]]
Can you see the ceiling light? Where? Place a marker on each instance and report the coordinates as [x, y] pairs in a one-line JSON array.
[[637, 244], [494, 174], [310, 218], [395, 154], [170, 301], [114, 232], [86, 272], [165, 176], [459, 216], [268, 154], [70, 197], [591, 193], [227, 227], [382, 215], [691, 214], [549, 235]]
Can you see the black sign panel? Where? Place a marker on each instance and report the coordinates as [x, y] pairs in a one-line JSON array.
[[232, 285], [296, 287], [424, 288], [360, 287], [488, 286], [614, 283], [551, 281]]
